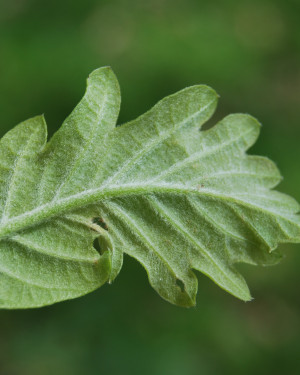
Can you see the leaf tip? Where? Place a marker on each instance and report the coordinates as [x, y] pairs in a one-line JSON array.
[[105, 71], [101, 78]]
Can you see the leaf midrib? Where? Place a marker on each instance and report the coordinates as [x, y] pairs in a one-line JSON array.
[[93, 196]]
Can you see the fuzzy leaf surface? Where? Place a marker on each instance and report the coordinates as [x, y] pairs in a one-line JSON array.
[[174, 197]]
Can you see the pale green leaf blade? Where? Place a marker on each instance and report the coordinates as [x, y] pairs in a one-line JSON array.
[[194, 199], [19, 167], [52, 259], [158, 189], [74, 152]]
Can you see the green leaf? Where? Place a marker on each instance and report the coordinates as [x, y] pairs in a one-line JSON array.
[[175, 198]]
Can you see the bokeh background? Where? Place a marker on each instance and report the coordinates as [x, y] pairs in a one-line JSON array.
[[249, 51]]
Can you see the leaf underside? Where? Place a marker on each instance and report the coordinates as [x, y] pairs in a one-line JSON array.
[[173, 197]]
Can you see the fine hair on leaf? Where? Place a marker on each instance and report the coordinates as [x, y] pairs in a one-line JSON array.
[[178, 199]]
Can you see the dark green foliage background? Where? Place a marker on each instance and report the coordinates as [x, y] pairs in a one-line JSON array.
[[249, 51]]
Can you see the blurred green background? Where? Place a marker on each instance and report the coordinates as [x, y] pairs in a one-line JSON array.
[[249, 51]]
